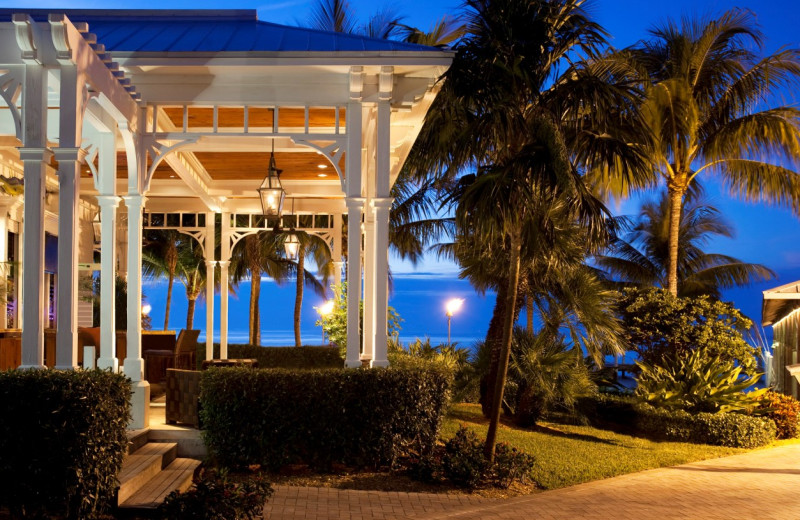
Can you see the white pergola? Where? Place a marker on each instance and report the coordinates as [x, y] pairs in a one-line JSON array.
[[165, 120]]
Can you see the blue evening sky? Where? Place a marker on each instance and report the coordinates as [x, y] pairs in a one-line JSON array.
[[765, 235]]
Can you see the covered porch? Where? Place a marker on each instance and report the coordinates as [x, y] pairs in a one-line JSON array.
[[116, 121]]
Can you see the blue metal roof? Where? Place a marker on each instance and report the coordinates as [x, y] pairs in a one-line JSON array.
[[209, 31]]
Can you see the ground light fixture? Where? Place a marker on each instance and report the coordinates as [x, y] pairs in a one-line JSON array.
[[271, 191], [324, 311], [452, 306]]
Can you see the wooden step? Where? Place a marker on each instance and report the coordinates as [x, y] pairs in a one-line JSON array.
[[143, 465], [177, 476], [137, 439]]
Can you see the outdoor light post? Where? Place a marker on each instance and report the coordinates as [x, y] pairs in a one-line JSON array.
[[324, 311], [451, 307]]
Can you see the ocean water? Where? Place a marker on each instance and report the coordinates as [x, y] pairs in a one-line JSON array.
[[419, 299]]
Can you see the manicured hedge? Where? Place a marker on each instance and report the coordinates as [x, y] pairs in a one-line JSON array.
[[62, 440], [357, 417], [282, 357], [722, 429]]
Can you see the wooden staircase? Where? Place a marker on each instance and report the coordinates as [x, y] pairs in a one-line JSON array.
[[150, 472]]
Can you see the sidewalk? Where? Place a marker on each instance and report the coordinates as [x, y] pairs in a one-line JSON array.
[[763, 484]]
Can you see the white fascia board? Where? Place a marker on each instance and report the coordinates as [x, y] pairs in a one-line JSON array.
[[782, 296], [794, 286], [346, 59]]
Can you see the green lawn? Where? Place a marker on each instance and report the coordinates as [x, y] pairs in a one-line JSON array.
[[567, 454]]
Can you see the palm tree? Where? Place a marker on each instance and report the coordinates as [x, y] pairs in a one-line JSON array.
[[519, 105], [339, 16], [706, 111], [160, 258], [254, 256], [192, 273], [641, 258], [318, 250], [443, 33]]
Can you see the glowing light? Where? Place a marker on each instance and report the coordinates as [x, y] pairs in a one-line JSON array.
[[453, 306]]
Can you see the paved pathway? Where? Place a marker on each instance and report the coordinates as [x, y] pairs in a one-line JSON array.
[[763, 484]]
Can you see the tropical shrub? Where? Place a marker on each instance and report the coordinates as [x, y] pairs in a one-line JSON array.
[[216, 497], [335, 324], [62, 441], [449, 357], [696, 382], [544, 374], [275, 417], [784, 410], [282, 357], [461, 461], [734, 430], [661, 327]]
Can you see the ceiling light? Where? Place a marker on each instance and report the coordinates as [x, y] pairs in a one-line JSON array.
[[322, 166], [322, 175]]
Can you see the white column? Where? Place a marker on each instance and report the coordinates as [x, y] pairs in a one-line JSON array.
[[69, 162], [35, 157], [381, 206], [369, 287], [223, 307], [33, 300], [134, 364], [355, 205], [108, 244], [381, 209], [353, 357], [210, 263]]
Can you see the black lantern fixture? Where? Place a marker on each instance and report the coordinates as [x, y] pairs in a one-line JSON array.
[[271, 192], [97, 228], [291, 244]]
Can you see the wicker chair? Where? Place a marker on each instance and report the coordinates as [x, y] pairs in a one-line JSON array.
[[186, 349]]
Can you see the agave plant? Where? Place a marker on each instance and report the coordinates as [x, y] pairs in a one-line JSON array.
[[697, 382]]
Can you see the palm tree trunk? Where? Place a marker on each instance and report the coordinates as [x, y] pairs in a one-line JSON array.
[[169, 299], [298, 299], [675, 207], [255, 291], [494, 338], [190, 313], [508, 329]]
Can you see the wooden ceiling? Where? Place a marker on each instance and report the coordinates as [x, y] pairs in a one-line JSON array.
[[223, 166]]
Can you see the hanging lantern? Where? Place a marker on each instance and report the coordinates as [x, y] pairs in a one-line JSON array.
[[291, 246], [271, 192]]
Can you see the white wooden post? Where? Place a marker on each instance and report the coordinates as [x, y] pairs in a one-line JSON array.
[[108, 244], [224, 263], [4, 202], [381, 205], [355, 205], [134, 364], [369, 287], [70, 157], [210, 263], [35, 157], [337, 248]]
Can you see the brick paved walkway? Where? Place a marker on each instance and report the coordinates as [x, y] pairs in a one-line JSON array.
[[761, 485]]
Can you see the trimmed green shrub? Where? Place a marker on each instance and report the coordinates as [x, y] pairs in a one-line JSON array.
[[784, 410], [461, 461], [216, 497], [275, 417], [282, 357], [721, 429], [62, 440]]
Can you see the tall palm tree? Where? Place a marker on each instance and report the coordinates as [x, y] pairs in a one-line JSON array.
[[191, 271], [641, 257], [707, 112], [253, 256], [318, 250], [518, 104], [160, 258], [339, 16]]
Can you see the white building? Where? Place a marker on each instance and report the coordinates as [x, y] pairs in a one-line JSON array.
[[166, 119]]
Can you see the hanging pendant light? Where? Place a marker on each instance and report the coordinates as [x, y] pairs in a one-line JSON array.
[[291, 244], [271, 192]]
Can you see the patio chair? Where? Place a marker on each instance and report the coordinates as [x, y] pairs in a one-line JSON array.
[[186, 349]]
